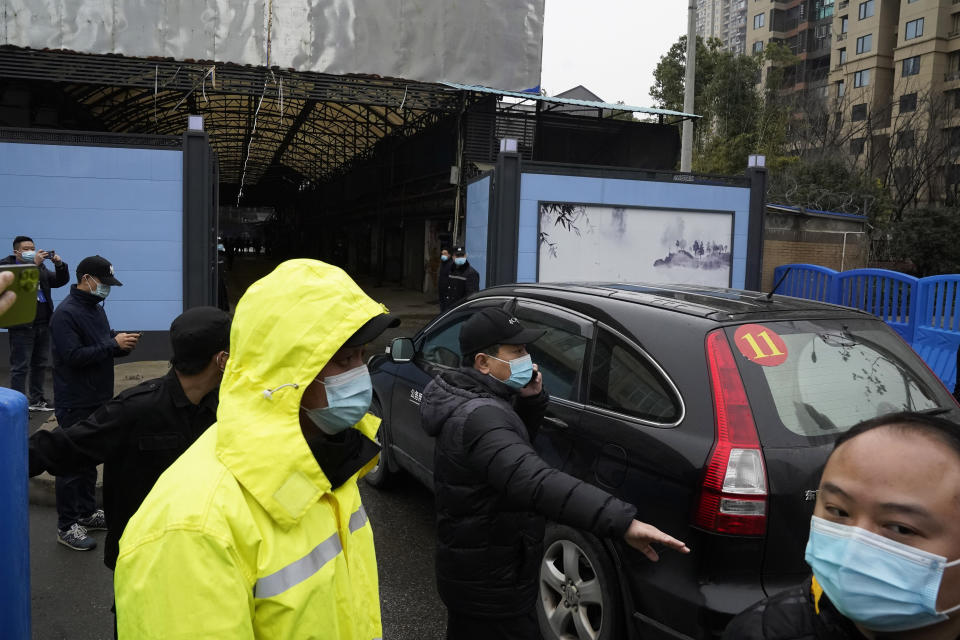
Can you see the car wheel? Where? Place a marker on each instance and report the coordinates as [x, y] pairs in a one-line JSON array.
[[579, 598], [380, 476]]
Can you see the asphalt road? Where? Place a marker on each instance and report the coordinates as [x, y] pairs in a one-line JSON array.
[[72, 591]]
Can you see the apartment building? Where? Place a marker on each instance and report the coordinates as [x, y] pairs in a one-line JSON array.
[[803, 26], [725, 20]]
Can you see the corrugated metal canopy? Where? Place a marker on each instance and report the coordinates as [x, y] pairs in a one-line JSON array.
[[571, 101]]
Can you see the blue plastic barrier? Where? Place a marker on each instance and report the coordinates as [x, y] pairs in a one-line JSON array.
[[937, 333], [809, 281], [890, 295], [925, 312], [15, 552]]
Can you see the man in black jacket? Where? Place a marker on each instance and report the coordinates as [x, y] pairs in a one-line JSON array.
[[443, 276], [884, 542], [493, 491], [462, 280], [30, 343], [84, 347], [140, 432]]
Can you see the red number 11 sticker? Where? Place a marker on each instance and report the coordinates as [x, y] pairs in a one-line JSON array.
[[761, 345]]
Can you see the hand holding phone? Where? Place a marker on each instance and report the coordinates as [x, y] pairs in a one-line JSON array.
[[126, 341], [18, 302]]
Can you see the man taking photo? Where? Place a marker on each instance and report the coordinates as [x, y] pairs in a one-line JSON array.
[[493, 491], [30, 343], [84, 347]]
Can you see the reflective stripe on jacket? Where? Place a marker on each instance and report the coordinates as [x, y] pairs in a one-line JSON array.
[[243, 536]]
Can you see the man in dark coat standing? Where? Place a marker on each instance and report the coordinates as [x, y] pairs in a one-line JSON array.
[[84, 347], [443, 275], [493, 491], [462, 280], [30, 343]]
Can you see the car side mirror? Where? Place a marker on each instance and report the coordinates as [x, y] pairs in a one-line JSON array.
[[402, 350]]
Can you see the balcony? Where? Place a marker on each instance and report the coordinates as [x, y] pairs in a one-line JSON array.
[[840, 37], [844, 3], [951, 76]]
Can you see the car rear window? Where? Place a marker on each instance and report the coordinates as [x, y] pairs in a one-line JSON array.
[[810, 379]]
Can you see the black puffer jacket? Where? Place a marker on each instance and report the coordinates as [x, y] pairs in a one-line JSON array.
[[801, 613], [493, 491]]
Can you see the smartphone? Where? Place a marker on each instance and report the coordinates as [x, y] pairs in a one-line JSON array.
[[50, 254], [24, 309]]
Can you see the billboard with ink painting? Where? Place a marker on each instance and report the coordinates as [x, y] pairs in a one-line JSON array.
[[597, 243]]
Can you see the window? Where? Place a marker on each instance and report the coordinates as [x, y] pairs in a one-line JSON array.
[[866, 9], [911, 66], [758, 46], [953, 133], [441, 346], [857, 146], [841, 88], [954, 23], [844, 23], [859, 112], [559, 353], [865, 43], [908, 102], [758, 21], [905, 139], [823, 9], [624, 381], [953, 99], [861, 78], [914, 29], [843, 55]]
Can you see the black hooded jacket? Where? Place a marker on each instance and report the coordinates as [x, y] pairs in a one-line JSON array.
[[800, 613], [460, 283], [493, 491]]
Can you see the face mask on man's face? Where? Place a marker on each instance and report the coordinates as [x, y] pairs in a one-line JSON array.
[[99, 289], [28, 255], [460, 261], [444, 258]]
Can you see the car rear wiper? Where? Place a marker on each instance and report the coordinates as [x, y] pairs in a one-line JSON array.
[[936, 411]]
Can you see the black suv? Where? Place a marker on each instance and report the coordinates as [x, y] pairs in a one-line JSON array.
[[712, 410]]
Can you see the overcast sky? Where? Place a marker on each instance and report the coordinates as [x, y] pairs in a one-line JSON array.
[[609, 46]]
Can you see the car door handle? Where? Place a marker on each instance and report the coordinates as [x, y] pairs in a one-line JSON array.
[[556, 422]]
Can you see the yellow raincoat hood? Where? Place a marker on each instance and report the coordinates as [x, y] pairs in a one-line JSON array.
[[286, 327]]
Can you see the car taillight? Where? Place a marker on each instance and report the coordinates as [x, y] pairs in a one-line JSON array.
[[733, 498]]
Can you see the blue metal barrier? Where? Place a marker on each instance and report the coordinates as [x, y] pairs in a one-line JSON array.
[[890, 295], [809, 281], [15, 552]]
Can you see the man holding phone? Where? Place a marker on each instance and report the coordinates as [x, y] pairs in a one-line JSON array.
[[30, 343], [493, 491], [84, 347]]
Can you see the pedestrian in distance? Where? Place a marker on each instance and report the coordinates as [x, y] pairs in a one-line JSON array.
[[84, 347], [443, 275], [493, 492], [884, 543], [30, 343], [140, 432], [258, 530], [462, 280]]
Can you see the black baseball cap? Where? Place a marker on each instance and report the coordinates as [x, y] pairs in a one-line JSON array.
[[459, 251], [100, 268], [199, 333], [372, 329], [491, 326]]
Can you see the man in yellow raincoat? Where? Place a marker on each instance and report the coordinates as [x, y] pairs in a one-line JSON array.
[[257, 530]]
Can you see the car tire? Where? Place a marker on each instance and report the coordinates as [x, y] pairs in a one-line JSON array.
[[380, 476], [579, 595]]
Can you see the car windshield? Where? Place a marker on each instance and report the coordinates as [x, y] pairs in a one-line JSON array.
[[819, 378]]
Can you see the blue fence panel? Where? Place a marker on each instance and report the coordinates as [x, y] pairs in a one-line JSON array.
[[937, 335], [809, 281], [15, 551], [890, 295]]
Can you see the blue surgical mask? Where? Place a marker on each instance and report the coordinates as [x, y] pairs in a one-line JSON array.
[[521, 371], [102, 290], [444, 258], [348, 399], [28, 256], [460, 261], [879, 583]]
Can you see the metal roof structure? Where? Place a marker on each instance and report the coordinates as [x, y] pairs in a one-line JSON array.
[[661, 113], [263, 123]]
